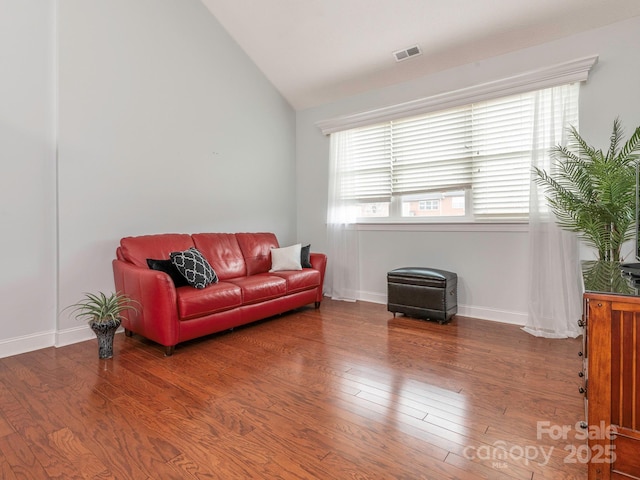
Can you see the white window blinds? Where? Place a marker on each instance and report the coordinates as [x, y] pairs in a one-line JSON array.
[[432, 152], [484, 148], [502, 140], [365, 164]]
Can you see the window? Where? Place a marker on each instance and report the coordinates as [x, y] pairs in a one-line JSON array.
[[469, 163], [457, 202], [429, 205]]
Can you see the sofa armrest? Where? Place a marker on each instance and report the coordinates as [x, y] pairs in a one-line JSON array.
[[319, 262], [157, 315]]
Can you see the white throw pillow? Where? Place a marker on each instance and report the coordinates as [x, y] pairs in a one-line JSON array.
[[287, 258]]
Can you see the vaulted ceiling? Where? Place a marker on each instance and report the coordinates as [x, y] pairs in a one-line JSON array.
[[318, 51]]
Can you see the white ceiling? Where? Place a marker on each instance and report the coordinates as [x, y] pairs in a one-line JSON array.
[[318, 51]]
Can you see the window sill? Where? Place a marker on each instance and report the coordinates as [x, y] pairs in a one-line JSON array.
[[442, 227]]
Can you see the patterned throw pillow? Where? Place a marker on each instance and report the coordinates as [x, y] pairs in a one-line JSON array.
[[194, 267]]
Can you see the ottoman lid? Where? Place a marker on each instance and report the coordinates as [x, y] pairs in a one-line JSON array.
[[422, 272]]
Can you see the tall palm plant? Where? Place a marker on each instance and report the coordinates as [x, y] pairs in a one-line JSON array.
[[594, 193]]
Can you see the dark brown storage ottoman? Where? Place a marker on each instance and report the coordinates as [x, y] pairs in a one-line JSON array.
[[423, 293]]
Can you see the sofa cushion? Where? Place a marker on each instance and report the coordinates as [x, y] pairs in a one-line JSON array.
[[257, 288], [211, 299], [256, 249], [136, 250], [223, 252], [298, 280], [194, 267]]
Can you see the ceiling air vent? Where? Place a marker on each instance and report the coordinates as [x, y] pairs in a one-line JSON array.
[[407, 53]]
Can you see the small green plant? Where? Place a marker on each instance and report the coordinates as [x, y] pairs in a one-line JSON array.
[[100, 309], [594, 193]]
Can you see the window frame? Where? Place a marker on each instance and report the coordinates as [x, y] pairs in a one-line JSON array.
[[483, 149], [395, 216], [541, 77]]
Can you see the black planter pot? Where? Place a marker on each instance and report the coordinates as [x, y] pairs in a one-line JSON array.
[[105, 332]]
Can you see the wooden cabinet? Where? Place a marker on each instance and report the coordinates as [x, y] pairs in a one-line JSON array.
[[611, 378]]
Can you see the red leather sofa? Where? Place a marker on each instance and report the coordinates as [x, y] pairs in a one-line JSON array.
[[245, 291]]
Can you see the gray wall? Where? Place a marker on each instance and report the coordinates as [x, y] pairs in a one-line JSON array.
[[27, 180], [491, 262], [163, 125]]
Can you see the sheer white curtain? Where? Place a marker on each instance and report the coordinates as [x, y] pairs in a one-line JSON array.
[[555, 287], [342, 281]]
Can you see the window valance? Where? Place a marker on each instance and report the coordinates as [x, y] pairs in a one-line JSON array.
[[560, 74]]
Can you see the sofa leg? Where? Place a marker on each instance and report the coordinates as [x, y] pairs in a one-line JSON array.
[[317, 305], [128, 332], [168, 351]]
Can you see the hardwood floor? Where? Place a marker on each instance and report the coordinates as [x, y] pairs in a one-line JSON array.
[[344, 392]]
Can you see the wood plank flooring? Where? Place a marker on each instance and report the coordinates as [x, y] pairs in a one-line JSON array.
[[344, 392]]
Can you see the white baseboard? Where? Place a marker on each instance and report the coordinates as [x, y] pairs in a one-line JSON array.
[[73, 335], [29, 343], [372, 297], [69, 336], [483, 313], [26, 343], [503, 316]]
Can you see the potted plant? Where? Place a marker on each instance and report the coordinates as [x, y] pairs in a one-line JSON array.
[[103, 314], [592, 192]]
